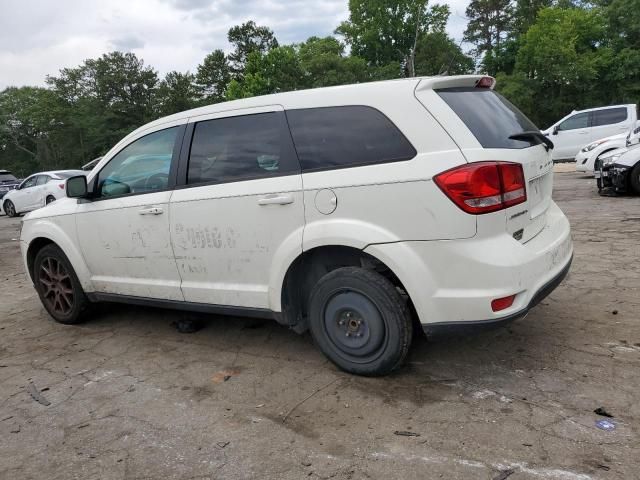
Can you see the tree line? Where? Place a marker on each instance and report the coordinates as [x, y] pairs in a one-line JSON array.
[[549, 56]]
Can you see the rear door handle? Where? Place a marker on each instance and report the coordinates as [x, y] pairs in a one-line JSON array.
[[276, 200], [151, 211]]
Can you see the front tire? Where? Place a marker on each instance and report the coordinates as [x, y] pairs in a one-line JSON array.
[[360, 321], [58, 286], [10, 209]]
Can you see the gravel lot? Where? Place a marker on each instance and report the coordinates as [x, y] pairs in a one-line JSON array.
[[130, 397]]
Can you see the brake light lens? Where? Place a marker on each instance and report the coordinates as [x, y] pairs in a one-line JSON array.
[[502, 303], [484, 187], [486, 82], [61, 185]]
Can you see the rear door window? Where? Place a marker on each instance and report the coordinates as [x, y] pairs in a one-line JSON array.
[[42, 179], [609, 116], [241, 148], [489, 116], [346, 136]]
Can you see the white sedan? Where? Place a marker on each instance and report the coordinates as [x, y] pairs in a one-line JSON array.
[[587, 156], [36, 191]]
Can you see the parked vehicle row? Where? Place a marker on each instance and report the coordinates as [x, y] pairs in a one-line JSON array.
[[581, 128], [36, 191], [619, 170], [329, 210], [7, 183]]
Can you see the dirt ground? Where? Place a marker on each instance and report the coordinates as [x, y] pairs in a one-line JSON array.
[[131, 397]]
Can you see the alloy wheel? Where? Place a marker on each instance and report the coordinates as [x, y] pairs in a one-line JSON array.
[[57, 289]]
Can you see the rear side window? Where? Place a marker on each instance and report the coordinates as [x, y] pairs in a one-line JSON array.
[[490, 117], [337, 137], [42, 179], [241, 148], [609, 116]]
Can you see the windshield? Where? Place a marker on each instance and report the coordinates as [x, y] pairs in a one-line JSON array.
[[7, 177], [491, 118]]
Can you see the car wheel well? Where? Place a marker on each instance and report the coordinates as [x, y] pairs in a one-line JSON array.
[[34, 247], [310, 266]]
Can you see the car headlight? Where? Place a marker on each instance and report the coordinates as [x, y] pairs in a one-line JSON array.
[[593, 145], [611, 159]]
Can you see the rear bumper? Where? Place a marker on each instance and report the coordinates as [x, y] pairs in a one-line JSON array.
[[474, 326], [454, 281]]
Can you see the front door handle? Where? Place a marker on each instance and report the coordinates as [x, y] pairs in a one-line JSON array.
[[276, 200], [151, 211]]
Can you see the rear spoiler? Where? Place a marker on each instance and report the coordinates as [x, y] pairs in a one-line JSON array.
[[457, 81]]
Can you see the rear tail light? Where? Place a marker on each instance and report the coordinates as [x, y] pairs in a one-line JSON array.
[[484, 187], [61, 185], [502, 303]]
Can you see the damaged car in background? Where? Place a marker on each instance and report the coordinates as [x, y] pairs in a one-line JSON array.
[[619, 170]]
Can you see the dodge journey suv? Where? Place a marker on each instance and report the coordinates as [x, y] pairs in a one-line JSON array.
[[353, 212]]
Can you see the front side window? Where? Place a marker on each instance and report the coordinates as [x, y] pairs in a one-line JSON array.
[[609, 116], [240, 148], [581, 120], [141, 167], [346, 136], [29, 182]]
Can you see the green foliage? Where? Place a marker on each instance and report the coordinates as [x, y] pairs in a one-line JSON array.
[[437, 53], [213, 77], [384, 31], [176, 92], [247, 39]]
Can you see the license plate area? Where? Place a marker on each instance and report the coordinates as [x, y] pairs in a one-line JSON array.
[[539, 194]]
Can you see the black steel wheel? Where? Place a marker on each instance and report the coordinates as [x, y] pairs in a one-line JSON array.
[[57, 285], [360, 321], [10, 209]]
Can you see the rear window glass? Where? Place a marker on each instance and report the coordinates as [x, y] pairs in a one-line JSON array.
[[337, 137], [490, 117], [609, 116]]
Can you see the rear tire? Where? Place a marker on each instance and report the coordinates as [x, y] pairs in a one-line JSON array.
[[58, 286], [49, 199], [634, 181], [10, 209], [360, 321]]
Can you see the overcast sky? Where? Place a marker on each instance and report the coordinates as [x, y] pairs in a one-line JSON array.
[[39, 37]]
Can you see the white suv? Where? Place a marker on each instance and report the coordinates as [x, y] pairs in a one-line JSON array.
[[347, 211]]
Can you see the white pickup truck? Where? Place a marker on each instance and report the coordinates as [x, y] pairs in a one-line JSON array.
[[582, 127]]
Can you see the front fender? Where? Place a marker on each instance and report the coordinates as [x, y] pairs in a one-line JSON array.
[[61, 231]]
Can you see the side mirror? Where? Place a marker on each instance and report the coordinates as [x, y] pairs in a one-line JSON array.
[[77, 187], [556, 129]]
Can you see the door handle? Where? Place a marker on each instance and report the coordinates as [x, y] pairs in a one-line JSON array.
[[151, 211], [276, 200]]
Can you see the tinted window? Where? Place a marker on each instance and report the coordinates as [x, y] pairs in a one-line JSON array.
[[141, 167], [42, 179], [581, 120], [7, 177], [334, 137], [609, 116], [491, 118], [29, 182], [242, 147]]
